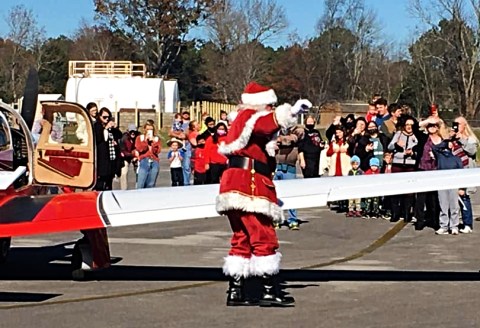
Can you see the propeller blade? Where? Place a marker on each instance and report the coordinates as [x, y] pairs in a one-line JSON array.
[[30, 97]]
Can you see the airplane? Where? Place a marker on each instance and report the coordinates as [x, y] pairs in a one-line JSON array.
[[65, 156]]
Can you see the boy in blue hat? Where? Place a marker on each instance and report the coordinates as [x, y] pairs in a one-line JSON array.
[[371, 204], [354, 205]]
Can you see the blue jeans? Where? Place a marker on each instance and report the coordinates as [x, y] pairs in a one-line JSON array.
[[280, 175], [466, 208], [147, 173], [186, 163]]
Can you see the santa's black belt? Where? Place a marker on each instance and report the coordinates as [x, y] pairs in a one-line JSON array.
[[247, 163]]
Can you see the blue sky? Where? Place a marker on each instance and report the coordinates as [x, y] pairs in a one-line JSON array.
[[63, 16]]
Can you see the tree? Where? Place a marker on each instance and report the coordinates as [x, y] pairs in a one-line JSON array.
[[458, 32], [52, 76], [26, 39], [158, 27], [236, 53], [188, 70], [362, 24], [99, 43]]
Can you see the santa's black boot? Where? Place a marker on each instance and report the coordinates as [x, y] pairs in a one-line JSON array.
[[272, 296], [236, 293]]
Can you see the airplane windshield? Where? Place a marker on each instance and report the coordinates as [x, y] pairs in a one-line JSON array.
[[67, 128], [4, 135]]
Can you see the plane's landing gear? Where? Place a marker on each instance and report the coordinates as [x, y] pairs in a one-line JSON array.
[[4, 248], [82, 261]]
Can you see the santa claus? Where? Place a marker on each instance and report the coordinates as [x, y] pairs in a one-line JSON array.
[[247, 194]]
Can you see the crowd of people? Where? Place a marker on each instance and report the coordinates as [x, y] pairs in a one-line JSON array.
[[247, 149], [387, 139]]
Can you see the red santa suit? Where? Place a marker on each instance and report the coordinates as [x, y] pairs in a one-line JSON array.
[[247, 193]]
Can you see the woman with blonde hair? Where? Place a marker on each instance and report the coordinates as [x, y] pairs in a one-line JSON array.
[[148, 147], [467, 139]]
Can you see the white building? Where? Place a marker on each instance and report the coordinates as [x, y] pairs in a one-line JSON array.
[[119, 85]]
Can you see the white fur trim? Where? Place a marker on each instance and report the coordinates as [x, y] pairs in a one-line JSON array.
[[236, 266], [261, 265], [236, 201], [271, 148], [260, 98], [242, 140], [232, 116], [283, 114]]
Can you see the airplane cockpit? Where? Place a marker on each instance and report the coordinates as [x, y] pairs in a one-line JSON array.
[[15, 142]]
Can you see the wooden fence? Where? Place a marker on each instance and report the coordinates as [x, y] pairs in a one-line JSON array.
[[213, 109]]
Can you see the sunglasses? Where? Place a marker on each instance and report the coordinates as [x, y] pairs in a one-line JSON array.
[[105, 117]]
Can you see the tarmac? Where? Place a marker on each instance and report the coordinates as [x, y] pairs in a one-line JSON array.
[[343, 272]]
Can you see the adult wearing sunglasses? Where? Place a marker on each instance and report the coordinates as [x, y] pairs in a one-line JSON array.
[[106, 150]]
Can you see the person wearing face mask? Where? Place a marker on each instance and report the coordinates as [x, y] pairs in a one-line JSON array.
[[378, 142], [209, 132], [309, 149], [405, 156], [214, 162], [199, 170]]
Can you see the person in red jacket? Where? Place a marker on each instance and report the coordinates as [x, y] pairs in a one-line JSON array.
[[214, 161], [198, 159], [247, 194]]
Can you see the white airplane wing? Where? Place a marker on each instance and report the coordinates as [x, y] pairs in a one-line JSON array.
[[88, 210], [7, 178], [122, 208]]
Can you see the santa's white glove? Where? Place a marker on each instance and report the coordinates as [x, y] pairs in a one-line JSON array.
[[300, 106]]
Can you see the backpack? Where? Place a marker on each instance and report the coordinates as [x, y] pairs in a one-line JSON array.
[[460, 153], [446, 160]]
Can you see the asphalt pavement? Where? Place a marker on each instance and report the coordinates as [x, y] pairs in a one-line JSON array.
[[343, 272]]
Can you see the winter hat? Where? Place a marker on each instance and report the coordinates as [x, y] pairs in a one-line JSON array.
[[374, 161], [355, 159], [132, 127], [256, 94]]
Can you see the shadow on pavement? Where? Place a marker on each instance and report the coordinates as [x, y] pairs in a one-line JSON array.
[[35, 263], [6, 297]]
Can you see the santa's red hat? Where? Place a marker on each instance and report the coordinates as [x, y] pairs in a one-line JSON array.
[[256, 94]]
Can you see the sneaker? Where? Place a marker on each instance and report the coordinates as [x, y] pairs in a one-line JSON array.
[[294, 226], [276, 226], [442, 231], [374, 215], [386, 217], [454, 231], [467, 229], [413, 220], [358, 214], [350, 214]]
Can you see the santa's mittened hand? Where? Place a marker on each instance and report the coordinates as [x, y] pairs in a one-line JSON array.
[[300, 106]]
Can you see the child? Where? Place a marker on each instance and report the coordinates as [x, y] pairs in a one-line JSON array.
[[371, 204], [354, 205], [175, 157], [223, 118], [385, 201], [177, 123], [199, 171]]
